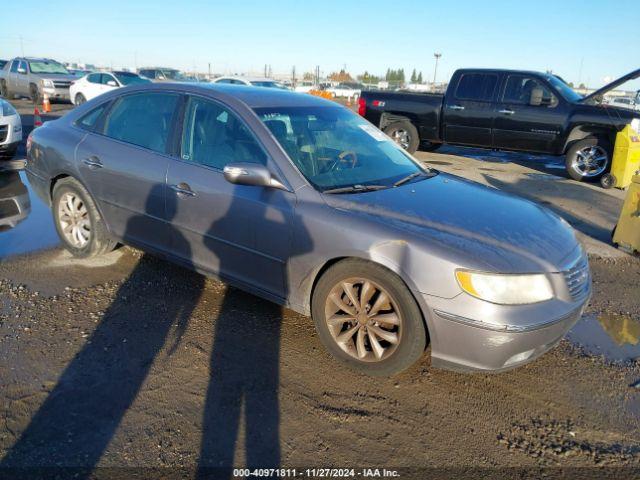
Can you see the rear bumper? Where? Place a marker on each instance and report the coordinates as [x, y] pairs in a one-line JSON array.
[[464, 344], [39, 186]]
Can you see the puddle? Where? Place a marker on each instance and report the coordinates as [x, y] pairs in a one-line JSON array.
[[26, 224], [616, 337]]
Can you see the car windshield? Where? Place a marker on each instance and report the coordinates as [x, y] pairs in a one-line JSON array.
[[334, 148], [565, 90], [128, 78], [266, 83], [174, 75], [45, 66]]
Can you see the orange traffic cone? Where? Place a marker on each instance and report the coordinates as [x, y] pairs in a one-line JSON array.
[[46, 104], [348, 101], [37, 121]]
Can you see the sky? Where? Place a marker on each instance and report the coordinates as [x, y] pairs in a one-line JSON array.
[[584, 41]]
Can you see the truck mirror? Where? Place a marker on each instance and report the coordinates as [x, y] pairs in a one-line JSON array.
[[536, 97], [22, 71]]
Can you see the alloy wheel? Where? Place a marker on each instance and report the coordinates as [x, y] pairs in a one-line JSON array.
[[74, 221], [363, 319], [402, 138], [591, 161]]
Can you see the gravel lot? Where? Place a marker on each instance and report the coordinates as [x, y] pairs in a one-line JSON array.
[[127, 360]]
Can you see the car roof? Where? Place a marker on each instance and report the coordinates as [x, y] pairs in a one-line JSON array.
[[247, 79], [253, 97], [502, 70]]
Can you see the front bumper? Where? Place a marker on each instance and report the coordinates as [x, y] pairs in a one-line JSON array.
[[523, 333], [10, 133], [57, 93]]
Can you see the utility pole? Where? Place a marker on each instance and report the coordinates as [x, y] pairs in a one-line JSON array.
[[265, 70], [293, 76], [135, 60], [209, 77], [435, 68], [21, 46], [580, 71]]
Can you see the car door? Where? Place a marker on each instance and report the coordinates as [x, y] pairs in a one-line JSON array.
[[108, 82], [468, 111], [92, 86], [124, 162], [528, 116], [12, 76], [239, 232], [21, 79]]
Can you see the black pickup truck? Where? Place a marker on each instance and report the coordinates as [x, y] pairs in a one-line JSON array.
[[506, 110]]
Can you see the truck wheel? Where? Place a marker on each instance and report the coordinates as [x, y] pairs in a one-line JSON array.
[[34, 93], [77, 220], [4, 91], [588, 159], [608, 181], [367, 318], [404, 134]]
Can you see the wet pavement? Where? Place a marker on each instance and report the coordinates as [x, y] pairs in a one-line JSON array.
[[614, 336]]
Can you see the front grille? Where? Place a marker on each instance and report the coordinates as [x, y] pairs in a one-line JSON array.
[[61, 83], [578, 278], [4, 130]]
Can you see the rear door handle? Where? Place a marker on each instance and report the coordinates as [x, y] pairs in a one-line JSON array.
[[183, 190], [93, 162], [456, 107], [506, 111]]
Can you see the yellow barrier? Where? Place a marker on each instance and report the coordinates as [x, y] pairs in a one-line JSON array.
[[627, 232], [626, 159]]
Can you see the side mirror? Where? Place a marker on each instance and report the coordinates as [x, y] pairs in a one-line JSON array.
[[535, 100], [22, 71], [112, 83], [252, 174]]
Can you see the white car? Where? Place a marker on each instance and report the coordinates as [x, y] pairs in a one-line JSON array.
[[624, 102], [305, 86], [10, 130], [345, 90], [97, 83], [251, 81]]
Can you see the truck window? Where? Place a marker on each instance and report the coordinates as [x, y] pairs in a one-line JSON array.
[[14, 66], [476, 86], [518, 90]]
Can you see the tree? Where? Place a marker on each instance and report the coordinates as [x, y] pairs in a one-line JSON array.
[[570, 84], [582, 86], [414, 77], [420, 77], [307, 76], [341, 76]]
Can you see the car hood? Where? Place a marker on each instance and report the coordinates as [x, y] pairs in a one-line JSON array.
[[479, 226], [57, 76], [598, 94]]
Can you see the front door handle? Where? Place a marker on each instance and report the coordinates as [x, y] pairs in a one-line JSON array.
[[93, 162], [183, 190], [456, 107], [506, 111]]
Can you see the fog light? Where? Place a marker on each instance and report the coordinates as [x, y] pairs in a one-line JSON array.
[[519, 357]]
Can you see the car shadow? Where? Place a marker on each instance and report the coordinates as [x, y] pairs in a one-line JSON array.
[[78, 419]]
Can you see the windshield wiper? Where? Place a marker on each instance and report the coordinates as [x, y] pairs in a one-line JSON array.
[[355, 189], [411, 177]]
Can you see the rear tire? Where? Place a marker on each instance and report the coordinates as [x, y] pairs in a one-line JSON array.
[[4, 90], [589, 159], [78, 222], [404, 134], [402, 342], [34, 93], [80, 99]]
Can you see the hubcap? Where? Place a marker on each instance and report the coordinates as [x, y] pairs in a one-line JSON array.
[[73, 219], [402, 138], [363, 319], [591, 161]]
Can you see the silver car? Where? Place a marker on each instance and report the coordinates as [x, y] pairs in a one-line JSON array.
[[34, 77], [300, 201]]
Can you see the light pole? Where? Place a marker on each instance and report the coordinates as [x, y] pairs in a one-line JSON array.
[[435, 69]]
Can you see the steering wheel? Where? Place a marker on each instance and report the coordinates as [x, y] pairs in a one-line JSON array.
[[346, 159]]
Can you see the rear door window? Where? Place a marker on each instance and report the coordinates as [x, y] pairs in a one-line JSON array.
[[90, 120], [143, 119], [93, 78], [476, 87]]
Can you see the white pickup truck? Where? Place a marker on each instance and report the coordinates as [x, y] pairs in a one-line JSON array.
[[33, 77]]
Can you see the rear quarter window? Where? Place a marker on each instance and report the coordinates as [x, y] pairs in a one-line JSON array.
[[476, 87], [89, 120]]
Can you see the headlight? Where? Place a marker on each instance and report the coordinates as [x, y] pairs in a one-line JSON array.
[[47, 83], [635, 124], [505, 289], [6, 109]]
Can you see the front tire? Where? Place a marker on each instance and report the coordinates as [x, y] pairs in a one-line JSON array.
[[78, 221], [34, 94], [80, 99], [4, 90], [404, 134], [367, 318], [588, 159]]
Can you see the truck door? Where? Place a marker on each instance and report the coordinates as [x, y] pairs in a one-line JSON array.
[[468, 109], [12, 76], [22, 79], [528, 115]]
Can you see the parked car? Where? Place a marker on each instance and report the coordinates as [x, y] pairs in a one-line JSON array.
[[346, 90], [97, 83], [34, 77], [164, 74], [250, 81], [2, 64], [301, 201], [78, 73], [305, 86], [508, 110], [15, 204], [624, 102], [10, 130]]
